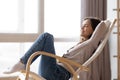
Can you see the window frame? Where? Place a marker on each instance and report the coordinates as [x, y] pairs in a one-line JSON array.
[[30, 37], [26, 37]]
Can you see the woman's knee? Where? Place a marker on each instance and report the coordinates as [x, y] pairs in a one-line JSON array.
[[46, 34]]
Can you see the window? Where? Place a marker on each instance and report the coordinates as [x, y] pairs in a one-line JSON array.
[[19, 21], [23, 20], [19, 16], [62, 17], [9, 15]]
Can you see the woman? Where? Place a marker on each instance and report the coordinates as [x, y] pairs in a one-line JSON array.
[[49, 69]]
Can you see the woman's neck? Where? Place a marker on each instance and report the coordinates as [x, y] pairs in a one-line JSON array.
[[82, 39]]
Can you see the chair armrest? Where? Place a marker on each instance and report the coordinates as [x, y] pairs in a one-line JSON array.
[[65, 61]]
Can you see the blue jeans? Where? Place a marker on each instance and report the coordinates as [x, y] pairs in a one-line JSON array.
[[48, 68]]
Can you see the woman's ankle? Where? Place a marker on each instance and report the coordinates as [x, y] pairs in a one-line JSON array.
[[17, 67]]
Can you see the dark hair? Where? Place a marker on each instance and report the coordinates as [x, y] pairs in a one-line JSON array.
[[94, 21]]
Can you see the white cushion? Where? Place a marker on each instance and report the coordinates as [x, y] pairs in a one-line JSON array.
[[107, 22]]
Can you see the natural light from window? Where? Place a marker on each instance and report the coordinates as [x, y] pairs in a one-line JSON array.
[[61, 18], [18, 16]]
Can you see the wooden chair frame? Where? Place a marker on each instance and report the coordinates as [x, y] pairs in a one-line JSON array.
[[70, 62]]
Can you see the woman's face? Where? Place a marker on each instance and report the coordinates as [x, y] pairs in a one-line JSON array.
[[86, 29]]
